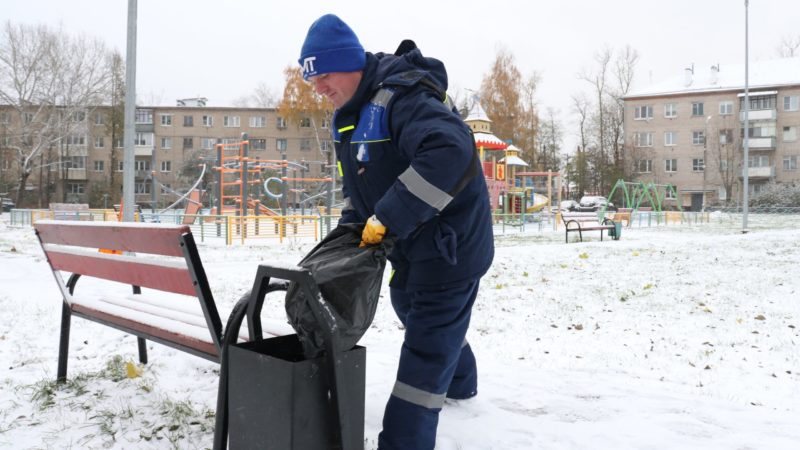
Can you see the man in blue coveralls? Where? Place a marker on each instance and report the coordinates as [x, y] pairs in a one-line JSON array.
[[410, 169]]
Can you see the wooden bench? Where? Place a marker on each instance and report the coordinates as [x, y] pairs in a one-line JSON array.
[[170, 301], [581, 222]]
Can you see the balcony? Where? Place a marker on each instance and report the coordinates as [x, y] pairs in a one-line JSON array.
[[759, 172], [76, 174], [760, 114], [143, 150], [761, 143]]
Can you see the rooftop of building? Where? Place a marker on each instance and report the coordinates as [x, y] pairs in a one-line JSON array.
[[765, 74]]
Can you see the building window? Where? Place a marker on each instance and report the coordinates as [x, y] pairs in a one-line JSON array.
[[166, 166], [208, 121], [791, 103], [76, 139], [166, 189], [77, 116], [305, 144], [99, 142], [120, 166], [230, 121], [142, 165], [723, 165], [5, 118], [759, 102], [697, 108], [99, 165], [670, 138], [144, 116], [187, 142], [789, 134], [725, 137], [99, 119], [207, 143], [166, 143], [644, 112], [166, 120], [143, 139], [670, 110], [698, 165], [142, 187], [258, 121], [76, 188], [758, 161], [326, 123], [188, 121], [698, 137], [281, 123], [670, 194], [725, 108], [281, 145], [27, 117], [258, 144], [119, 143], [305, 122], [326, 146], [790, 162], [643, 139], [75, 162], [644, 165], [670, 165]]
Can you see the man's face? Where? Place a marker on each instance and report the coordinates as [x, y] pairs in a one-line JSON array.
[[338, 87]]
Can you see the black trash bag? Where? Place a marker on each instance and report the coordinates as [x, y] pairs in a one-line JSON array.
[[349, 279]]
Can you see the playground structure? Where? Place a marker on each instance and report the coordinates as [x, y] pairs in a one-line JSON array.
[[239, 178], [638, 195]]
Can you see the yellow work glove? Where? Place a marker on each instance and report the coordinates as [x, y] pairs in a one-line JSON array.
[[373, 232]]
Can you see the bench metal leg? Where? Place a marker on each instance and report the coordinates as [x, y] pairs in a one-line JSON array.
[[63, 345], [142, 350]]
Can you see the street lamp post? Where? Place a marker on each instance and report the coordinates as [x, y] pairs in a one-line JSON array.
[[746, 156]]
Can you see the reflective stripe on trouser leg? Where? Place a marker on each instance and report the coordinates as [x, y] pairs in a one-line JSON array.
[[436, 324]]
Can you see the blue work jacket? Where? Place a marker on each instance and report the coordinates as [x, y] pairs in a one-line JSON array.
[[407, 157]]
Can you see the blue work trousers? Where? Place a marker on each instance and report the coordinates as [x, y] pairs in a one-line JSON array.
[[435, 362]]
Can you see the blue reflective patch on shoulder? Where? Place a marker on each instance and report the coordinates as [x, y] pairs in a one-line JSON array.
[[373, 123]]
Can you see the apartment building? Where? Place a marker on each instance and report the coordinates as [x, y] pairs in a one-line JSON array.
[[688, 131], [167, 140]]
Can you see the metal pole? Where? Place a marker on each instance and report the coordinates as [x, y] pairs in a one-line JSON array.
[[130, 110], [745, 162]]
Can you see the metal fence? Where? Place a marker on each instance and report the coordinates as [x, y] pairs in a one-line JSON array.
[[251, 229]]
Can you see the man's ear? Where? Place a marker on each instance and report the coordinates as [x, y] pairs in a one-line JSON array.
[[406, 46]]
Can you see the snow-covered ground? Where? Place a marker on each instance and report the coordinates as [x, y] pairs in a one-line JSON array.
[[672, 338]]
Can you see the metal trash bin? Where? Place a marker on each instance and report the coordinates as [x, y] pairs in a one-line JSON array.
[[280, 400], [616, 232], [272, 397]]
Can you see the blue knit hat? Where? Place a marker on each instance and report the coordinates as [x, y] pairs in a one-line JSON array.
[[331, 46]]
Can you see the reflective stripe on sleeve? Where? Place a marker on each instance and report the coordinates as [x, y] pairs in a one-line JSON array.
[[417, 396], [423, 190]]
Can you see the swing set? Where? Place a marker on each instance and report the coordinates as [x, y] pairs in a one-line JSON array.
[[635, 194]]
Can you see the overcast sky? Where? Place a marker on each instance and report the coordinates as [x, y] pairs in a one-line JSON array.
[[222, 49]]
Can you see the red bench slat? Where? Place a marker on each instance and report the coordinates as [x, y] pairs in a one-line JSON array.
[[157, 239], [203, 347], [152, 276]]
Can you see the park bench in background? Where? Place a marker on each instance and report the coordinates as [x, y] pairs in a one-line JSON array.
[[580, 222], [71, 211], [170, 301], [623, 214]]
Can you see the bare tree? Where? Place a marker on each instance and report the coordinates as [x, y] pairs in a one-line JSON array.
[[263, 96], [789, 46], [723, 155], [550, 137], [51, 82], [580, 168], [598, 79]]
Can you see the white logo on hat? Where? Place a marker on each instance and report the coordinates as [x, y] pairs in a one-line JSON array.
[[308, 64]]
